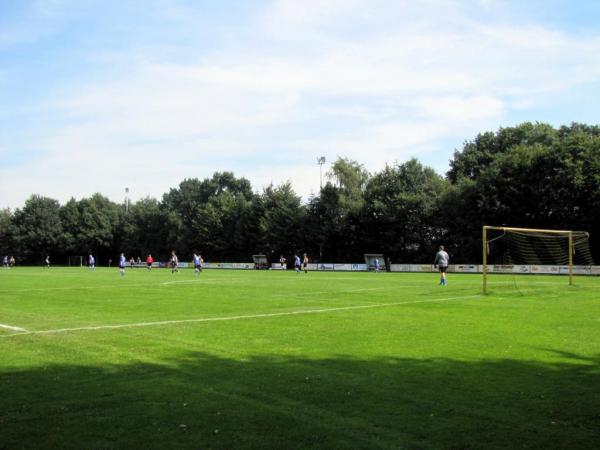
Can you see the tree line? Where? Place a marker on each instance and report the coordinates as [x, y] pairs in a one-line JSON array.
[[530, 175]]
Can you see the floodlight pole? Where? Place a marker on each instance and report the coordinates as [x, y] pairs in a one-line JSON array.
[[126, 200], [320, 161]]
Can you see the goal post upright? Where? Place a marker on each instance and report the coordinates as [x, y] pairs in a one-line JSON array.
[[570, 258], [485, 252], [567, 233]]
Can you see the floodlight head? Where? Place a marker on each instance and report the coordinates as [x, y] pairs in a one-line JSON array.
[[321, 160]]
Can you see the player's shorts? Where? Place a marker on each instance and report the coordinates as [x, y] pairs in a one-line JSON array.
[[149, 264], [443, 269], [198, 266], [173, 264]]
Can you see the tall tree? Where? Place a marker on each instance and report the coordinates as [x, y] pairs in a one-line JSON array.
[[339, 208], [284, 215], [545, 178], [8, 233], [39, 228], [401, 216]]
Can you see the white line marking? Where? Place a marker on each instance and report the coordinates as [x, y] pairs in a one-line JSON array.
[[310, 294], [75, 288], [226, 318], [118, 286], [8, 327]]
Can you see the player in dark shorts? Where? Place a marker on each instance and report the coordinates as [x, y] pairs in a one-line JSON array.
[[305, 263], [174, 262], [197, 264], [297, 263], [149, 261], [441, 260]]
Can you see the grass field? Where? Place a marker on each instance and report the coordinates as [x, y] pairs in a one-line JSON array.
[[282, 360]]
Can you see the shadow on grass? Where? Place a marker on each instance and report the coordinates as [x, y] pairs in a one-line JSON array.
[[203, 401]]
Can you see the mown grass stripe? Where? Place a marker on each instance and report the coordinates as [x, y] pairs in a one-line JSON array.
[[227, 318]]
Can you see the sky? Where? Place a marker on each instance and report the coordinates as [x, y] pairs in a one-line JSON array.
[[97, 96]]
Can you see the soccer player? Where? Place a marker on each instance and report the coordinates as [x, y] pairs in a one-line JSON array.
[[174, 262], [282, 261], [305, 263], [5, 262], [122, 263], [149, 261], [11, 261], [297, 263], [197, 264], [47, 262], [377, 264], [91, 263], [441, 260]]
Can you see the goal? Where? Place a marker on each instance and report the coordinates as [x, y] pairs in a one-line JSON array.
[[529, 247], [75, 261]]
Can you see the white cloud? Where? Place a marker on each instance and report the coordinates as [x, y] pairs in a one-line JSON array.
[[307, 84]]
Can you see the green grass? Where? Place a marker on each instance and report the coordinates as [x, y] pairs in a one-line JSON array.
[[421, 366]]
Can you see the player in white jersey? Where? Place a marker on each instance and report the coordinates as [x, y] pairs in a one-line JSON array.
[[441, 260], [174, 262], [91, 263], [5, 262], [197, 264], [122, 263], [297, 263], [377, 265]]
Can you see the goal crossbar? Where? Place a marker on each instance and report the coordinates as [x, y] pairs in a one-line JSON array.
[[566, 233], [528, 230]]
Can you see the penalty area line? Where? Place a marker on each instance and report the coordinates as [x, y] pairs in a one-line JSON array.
[[228, 318]]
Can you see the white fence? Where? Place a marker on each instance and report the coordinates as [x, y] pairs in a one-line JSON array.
[[459, 268], [504, 268]]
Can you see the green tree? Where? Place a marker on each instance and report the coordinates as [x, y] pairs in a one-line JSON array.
[[338, 210], [91, 225], [207, 215], [39, 229], [8, 233], [401, 217], [283, 217], [545, 178]]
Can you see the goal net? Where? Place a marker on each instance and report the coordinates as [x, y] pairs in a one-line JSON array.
[[549, 251], [75, 261]]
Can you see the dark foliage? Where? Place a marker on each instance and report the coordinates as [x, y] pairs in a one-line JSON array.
[[531, 175]]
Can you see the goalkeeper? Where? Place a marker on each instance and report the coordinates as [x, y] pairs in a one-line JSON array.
[[441, 260]]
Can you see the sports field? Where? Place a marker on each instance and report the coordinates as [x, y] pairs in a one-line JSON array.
[[240, 359]]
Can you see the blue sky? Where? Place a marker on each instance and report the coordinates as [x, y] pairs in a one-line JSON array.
[[99, 95]]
